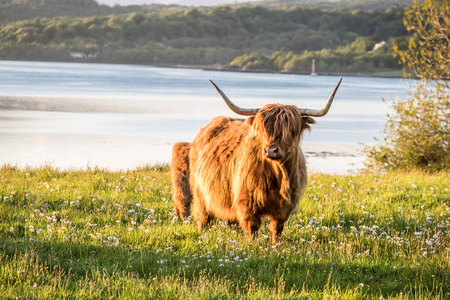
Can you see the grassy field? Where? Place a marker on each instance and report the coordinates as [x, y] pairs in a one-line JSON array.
[[97, 234]]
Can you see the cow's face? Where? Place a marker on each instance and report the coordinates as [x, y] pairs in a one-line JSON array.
[[279, 128]]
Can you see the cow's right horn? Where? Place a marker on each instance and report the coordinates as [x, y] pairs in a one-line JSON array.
[[324, 110], [233, 107]]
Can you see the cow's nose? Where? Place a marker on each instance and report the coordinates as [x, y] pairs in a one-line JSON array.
[[272, 152]]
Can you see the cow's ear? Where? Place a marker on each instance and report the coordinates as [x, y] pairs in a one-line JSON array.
[[250, 120], [306, 121]]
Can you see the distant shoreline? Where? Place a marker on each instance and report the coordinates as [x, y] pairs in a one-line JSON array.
[[263, 71], [220, 68], [296, 72]]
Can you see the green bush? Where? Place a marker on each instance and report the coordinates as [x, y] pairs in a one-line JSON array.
[[417, 133]]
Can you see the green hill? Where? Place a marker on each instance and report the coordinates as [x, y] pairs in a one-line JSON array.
[[281, 39], [17, 10]]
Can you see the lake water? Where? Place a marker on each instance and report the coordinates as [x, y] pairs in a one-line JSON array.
[[123, 116]]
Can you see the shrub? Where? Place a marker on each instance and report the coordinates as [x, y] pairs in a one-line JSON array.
[[417, 133]]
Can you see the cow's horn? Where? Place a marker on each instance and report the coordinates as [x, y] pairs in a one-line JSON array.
[[324, 110], [233, 107]]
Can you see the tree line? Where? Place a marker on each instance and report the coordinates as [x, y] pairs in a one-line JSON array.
[[357, 57], [17, 10], [216, 35]]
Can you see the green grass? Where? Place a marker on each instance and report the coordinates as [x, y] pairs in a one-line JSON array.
[[97, 234]]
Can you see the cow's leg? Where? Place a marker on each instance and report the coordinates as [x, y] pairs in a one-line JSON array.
[[200, 214], [250, 223], [234, 224], [248, 220], [181, 191], [181, 197], [205, 220], [276, 226]]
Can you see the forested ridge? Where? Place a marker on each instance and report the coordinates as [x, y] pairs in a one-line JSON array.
[[17, 10], [238, 37]]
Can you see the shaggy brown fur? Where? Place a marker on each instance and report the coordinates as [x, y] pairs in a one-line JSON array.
[[182, 197], [231, 176]]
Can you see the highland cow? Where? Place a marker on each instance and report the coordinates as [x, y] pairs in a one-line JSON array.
[[245, 170]]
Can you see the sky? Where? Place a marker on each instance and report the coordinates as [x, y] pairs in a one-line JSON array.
[[181, 2]]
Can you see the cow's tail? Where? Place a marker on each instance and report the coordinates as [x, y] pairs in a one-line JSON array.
[[182, 196]]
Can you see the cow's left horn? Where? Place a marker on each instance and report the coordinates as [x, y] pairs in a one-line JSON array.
[[324, 110], [233, 107]]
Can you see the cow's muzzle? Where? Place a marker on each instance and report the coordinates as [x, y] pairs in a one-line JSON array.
[[273, 152]]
